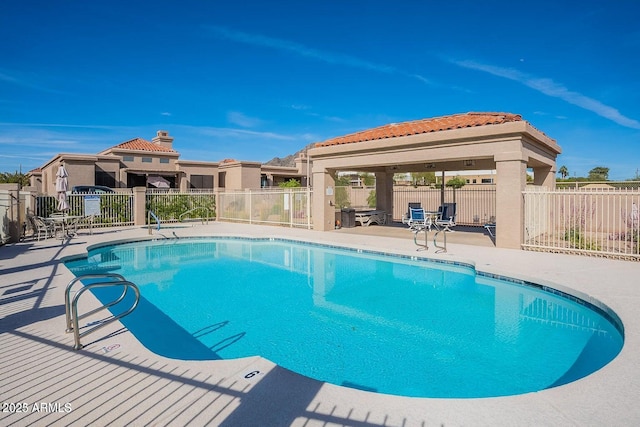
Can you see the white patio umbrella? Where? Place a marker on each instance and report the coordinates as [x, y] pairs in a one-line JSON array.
[[158, 182], [61, 188]]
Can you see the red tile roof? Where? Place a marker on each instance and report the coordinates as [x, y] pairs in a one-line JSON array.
[[143, 145], [456, 121]]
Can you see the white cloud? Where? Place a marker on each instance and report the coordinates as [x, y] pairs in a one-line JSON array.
[[300, 107], [243, 120], [285, 45], [26, 82], [305, 51], [227, 133], [555, 90]]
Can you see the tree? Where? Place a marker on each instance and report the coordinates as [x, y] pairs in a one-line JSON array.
[[599, 173], [456, 182], [368, 179], [371, 199], [563, 171], [341, 194], [423, 178], [14, 178]]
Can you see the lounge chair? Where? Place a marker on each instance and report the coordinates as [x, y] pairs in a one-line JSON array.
[[368, 217], [446, 216], [491, 229]]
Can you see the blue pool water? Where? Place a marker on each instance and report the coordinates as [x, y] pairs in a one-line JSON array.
[[381, 323]]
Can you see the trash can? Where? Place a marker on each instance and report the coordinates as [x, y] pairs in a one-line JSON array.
[[348, 217]]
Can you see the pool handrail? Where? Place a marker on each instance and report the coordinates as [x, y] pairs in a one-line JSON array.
[[67, 295], [71, 307], [206, 208], [150, 214]]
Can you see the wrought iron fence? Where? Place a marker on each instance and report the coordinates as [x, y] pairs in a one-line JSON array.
[[475, 204], [173, 206], [288, 206], [592, 221], [114, 209]]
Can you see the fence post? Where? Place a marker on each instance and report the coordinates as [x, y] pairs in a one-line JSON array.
[[308, 207], [11, 218], [248, 191], [291, 197], [139, 205]]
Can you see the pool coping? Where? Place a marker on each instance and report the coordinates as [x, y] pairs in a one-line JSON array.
[[282, 398]]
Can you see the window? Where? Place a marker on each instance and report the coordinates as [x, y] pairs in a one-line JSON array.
[[147, 160], [487, 180], [127, 158], [201, 181], [163, 160], [107, 179]]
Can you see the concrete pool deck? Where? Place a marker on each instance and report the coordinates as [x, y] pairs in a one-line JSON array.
[[114, 380]]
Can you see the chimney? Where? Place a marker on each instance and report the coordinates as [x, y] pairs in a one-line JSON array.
[[162, 138]]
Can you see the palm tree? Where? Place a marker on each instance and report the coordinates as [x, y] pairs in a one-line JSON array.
[[563, 171]]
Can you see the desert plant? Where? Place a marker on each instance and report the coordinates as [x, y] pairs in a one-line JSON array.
[[292, 183], [371, 199], [579, 241]]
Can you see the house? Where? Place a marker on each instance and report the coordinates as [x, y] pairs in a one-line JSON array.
[[155, 163]]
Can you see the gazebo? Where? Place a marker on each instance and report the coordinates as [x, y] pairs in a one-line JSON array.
[[471, 141]]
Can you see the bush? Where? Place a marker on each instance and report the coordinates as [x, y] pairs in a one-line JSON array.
[[578, 241]]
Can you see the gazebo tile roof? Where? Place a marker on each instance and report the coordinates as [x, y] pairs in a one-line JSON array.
[[435, 124]]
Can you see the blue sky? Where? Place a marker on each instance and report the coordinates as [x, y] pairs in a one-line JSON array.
[[252, 80]]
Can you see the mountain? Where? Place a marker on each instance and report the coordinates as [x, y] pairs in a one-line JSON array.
[[290, 159]]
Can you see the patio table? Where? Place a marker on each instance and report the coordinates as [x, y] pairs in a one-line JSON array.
[[64, 221]]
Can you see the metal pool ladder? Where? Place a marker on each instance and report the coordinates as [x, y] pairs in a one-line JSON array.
[[102, 281]]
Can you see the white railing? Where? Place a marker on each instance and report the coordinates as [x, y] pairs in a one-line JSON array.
[[288, 207], [115, 208], [174, 206], [602, 222]]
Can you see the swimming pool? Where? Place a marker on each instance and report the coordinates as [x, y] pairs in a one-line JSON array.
[[387, 324]]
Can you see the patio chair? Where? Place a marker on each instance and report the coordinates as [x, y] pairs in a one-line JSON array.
[[446, 216], [87, 222], [407, 215], [72, 226], [418, 220], [41, 227]]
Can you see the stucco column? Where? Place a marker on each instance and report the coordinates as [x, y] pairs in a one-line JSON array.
[[139, 208], [511, 182], [545, 177], [122, 179], [384, 193], [324, 198], [183, 181]]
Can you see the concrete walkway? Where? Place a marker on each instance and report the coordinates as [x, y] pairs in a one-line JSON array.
[[116, 381]]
